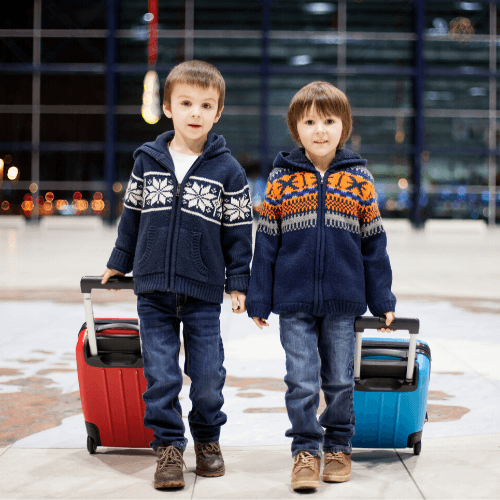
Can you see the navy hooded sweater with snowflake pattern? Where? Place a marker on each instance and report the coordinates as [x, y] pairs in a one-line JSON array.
[[320, 245], [194, 237]]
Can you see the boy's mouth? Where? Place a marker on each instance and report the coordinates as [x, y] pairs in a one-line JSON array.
[[320, 142], [194, 126]]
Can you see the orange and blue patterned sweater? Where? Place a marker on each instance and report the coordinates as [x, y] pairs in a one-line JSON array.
[[320, 245]]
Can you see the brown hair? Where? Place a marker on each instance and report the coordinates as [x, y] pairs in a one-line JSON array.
[[197, 73], [327, 100]]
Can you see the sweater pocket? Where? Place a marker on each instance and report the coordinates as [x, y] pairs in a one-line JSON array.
[[189, 262], [150, 257]]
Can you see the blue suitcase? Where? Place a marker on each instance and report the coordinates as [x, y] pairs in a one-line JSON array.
[[391, 385]]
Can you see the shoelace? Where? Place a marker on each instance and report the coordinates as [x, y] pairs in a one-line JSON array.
[[208, 448], [171, 459], [303, 460], [339, 456]]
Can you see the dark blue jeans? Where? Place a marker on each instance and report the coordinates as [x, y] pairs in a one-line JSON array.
[[319, 353], [160, 315]]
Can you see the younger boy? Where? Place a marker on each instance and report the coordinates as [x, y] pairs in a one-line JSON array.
[[186, 232], [320, 258]]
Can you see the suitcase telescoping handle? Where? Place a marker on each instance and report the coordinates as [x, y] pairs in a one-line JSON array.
[[89, 283], [363, 323]]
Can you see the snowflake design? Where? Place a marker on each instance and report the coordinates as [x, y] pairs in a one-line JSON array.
[[217, 208], [197, 196], [134, 193], [158, 191], [238, 208]]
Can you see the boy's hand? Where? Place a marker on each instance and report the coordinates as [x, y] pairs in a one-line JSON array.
[[238, 300], [389, 318], [260, 322], [108, 274]]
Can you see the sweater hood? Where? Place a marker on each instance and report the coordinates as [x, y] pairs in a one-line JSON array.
[[297, 160], [215, 146]]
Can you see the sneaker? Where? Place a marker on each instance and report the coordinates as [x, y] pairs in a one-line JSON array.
[[209, 461], [169, 468], [337, 467], [305, 473]]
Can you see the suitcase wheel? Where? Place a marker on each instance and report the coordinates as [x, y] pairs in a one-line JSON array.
[[417, 447], [91, 446]]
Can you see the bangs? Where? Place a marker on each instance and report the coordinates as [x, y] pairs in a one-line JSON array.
[[199, 74]]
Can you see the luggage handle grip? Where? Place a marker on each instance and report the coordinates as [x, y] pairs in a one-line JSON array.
[[363, 323], [117, 326], [87, 284], [371, 322]]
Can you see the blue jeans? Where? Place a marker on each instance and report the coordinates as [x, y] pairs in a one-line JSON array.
[[319, 353], [160, 315]]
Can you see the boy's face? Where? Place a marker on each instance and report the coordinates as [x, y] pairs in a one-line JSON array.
[[193, 110], [320, 135]]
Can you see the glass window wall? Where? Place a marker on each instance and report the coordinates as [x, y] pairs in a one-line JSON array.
[[58, 124]]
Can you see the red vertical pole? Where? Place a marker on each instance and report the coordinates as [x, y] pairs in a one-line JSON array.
[[153, 33]]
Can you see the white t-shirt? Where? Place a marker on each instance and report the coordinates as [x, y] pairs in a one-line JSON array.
[[182, 163]]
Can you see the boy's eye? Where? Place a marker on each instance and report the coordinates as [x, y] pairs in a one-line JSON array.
[[309, 122], [207, 106], [185, 103], [330, 121]]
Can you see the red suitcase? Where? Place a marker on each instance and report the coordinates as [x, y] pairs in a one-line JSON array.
[[109, 363]]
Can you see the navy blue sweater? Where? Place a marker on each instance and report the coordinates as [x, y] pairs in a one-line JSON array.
[[194, 237], [320, 245]]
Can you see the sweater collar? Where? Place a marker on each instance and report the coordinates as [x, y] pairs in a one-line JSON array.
[[158, 149], [297, 160]]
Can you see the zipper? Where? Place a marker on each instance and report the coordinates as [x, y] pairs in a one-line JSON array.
[[321, 205]]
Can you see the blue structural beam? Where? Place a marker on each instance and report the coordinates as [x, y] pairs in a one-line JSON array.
[[110, 139], [418, 124], [265, 89]]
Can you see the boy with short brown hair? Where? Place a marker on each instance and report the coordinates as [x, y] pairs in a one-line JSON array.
[[186, 232], [320, 258]]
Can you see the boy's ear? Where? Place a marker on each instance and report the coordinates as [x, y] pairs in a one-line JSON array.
[[216, 119], [167, 111]]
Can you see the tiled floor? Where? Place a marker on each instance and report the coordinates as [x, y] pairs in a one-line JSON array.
[[450, 284]]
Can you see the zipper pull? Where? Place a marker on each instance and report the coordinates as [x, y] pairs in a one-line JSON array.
[[178, 190]]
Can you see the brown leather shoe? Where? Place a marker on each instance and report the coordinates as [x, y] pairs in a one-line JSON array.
[[305, 473], [209, 461], [169, 468], [337, 467]]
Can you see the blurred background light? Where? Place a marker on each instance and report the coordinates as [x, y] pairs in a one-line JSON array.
[[319, 8], [151, 108], [13, 173], [301, 60], [470, 5]]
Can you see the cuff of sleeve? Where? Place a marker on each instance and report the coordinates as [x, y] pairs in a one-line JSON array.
[[120, 261], [258, 310], [239, 282], [380, 308]]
